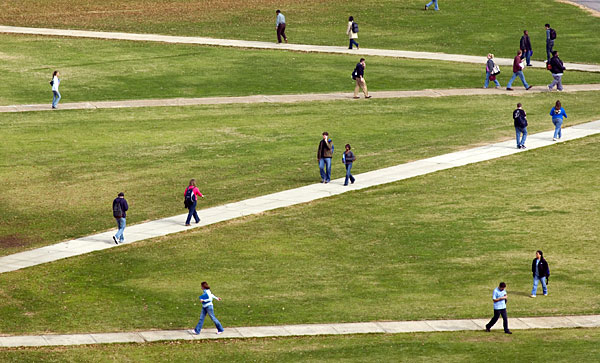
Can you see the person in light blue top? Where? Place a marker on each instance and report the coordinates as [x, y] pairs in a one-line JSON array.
[[207, 309], [557, 113], [499, 298], [280, 26]]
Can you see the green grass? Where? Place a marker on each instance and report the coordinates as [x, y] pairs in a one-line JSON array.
[[61, 170], [431, 247], [461, 27], [560, 345], [138, 70]]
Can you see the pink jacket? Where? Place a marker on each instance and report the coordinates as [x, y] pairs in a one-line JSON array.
[[196, 191]]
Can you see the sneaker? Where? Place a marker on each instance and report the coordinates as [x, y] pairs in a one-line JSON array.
[[523, 147], [345, 185], [356, 98], [357, 47], [554, 139], [546, 294], [187, 224], [426, 7], [509, 89], [368, 96], [220, 332], [498, 87], [352, 181], [115, 239], [508, 332], [198, 221], [193, 332], [549, 89], [326, 182], [528, 88], [531, 295], [487, 329], [518, 146]]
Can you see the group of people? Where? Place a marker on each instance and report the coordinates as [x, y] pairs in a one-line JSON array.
[[324, 156], [541, 273], [557, 113], [523, 59]]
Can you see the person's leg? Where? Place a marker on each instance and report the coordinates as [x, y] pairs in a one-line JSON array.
[[544, 287], [347, 174], [549, 45], [535, 285], [524, 131], [211, 314], [522, 78], [436, 4], [364, 87], [518, 134], [553, 83], [351, 42], [496, 82], [322, 170], [283, 32], [119, 232], [328, 164], [512, 79], [487, 80], [191, 211], [504, 320], [560, 122], [559, 85], [528, 57], [55, 99], [429, 3], [279, 33], [556, 128], [357, 88], [350, 173], [200, 322], [494, 319], [121, 229]]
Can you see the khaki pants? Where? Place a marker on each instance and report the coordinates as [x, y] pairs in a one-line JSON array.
[[361, 84]]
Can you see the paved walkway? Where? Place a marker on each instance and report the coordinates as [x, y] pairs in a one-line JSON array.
[[287, 198], [294, 47], [307, 97], [592, 6], [389, 327]]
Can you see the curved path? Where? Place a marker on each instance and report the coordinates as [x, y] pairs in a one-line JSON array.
[[288, 98], [389, 327], [294, 47], [289, 197]]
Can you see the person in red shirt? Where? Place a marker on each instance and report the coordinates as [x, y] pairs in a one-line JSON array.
[[191, 199], [517, 71]]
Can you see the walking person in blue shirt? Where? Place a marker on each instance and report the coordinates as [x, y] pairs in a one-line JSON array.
[[520, 122], [348, 158], [499, 298], [120, 208], [557, 113], [280, 26], [207, 309], [541, 272], [432, 2]]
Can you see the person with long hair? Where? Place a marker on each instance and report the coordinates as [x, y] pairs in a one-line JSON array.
[[348, 159], [191, 195], [55, 82], [557, 113], [207, 309], [489, 72], [541, 273]]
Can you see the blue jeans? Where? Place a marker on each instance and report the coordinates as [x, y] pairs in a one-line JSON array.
[[487, 80], [55, 98], [121, 226], [211, 313], [536, 280], [557, 127], [352, 41], [325, 174], [433, 2], [519, 131], [528, 54], [348, 174], [521, 76], [549, 46], [191, 213]]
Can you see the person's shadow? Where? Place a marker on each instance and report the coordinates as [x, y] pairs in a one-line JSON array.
[[519, 293]]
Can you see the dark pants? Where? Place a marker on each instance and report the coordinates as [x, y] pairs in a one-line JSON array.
[[281, 33], [352, 41], [497, 314], [549, 46], [349, 174], [193, 213]]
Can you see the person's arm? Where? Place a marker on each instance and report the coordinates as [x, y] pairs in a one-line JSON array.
[[215, 297], [562, 110], [197, 192], [319, 151], [125, 205], [203, 297], [552, 112], [349, 28]]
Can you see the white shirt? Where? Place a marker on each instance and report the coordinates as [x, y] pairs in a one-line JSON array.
[[349, 31], [55, 83], [209, 301]]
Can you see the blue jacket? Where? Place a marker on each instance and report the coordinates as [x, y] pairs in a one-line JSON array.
[[560, 114]]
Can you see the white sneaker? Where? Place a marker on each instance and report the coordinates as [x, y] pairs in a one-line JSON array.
[[554, 139], [545, 294], [532, 296], [219, 332], [193, 332]]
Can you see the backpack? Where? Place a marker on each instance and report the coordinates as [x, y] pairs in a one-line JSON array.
[[117, 209], [354, 74], [552, 34], [354, 27], [190, 198]]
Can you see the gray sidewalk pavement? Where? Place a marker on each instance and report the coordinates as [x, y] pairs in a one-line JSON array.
[[293, 47], [287, 198], [380, 327], [307, 97]]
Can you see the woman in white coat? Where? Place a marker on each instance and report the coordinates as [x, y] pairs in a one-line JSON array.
[[351, 34]]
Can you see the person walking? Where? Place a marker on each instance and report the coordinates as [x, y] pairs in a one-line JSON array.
[[352, 32], [541, 272], [490, 74], [208, 309], [518, 71], [191, 195], [557, 112], [324, 154], [280, 26], [525, 46], [520, 122], [432, 2], [55, 82], [557, 68], [499, 298], [120, 208], [348, 158], [550, 36], [359, 76]]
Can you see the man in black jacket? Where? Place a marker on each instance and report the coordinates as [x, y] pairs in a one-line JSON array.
[[359, 77], [557, 68], [520, 122], [120, 208], [525, 46], [541, 272]]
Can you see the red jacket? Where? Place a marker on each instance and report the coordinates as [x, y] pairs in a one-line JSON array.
[[517, 64]]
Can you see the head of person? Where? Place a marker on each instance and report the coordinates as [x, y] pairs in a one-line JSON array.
[[192, 182], [539, 254], [325, 135], [519, 52], [519, 105], [205, 286], [555, 53], [502, 286], [557, 105], [351, 18], [277, 11], [490, 56], [525, 32], [362, 60], [547, 26], [121, 195], [348, 147], [55, 74]]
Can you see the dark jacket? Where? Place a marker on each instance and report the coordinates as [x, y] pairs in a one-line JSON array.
[[517, 64], [349, 157], [525, 43], [557, 65], [124, 205], [520, 118], [325, 149], [489, 66], [543, 268], [360, 70]]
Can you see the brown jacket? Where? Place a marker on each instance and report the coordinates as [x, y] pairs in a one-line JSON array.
[[325, 149]]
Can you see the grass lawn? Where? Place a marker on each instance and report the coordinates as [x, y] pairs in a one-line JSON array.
[[61, 170], [137, 70], [431, 247], [461, 27], [559, 345]]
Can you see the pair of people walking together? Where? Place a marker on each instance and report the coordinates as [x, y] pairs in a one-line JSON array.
[[324, 156]]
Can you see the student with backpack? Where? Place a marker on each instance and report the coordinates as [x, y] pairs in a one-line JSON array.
[[352, 32], [191, 195], [359, 76], [120, 208], [520, 122], [550, 37]]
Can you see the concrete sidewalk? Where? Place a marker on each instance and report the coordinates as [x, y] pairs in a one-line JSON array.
[[293, 47], [389, 327], [287, 198], [307, 97]]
